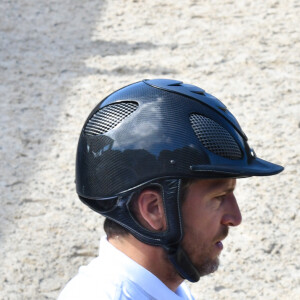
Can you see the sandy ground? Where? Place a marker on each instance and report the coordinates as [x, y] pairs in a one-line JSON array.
[[59, 58]]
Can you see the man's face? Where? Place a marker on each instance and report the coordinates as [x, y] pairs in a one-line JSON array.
[[208, 210]]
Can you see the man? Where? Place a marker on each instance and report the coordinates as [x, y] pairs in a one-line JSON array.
[[159, 159]]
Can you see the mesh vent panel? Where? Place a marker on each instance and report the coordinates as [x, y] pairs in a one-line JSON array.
[[109, 117], [214, 137]]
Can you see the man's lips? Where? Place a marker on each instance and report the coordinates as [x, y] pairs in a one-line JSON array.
[[224, 234], [219, 245]]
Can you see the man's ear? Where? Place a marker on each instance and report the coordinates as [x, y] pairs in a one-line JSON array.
[[151, 210]]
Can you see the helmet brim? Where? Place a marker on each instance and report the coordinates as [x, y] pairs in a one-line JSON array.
[[257, 167]]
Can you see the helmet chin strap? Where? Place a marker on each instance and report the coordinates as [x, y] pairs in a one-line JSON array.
[[182, 263], [176, 254]]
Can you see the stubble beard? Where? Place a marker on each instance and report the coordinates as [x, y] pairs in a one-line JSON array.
[[202, 259], [208, 266]]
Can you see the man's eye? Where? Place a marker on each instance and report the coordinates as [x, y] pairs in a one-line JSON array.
[[220, 198]]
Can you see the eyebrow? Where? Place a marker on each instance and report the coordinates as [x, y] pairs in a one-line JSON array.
[[222, 187], [230, 189]]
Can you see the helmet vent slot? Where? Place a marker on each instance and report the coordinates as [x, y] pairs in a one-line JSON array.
[[109, 117], [214, 137]]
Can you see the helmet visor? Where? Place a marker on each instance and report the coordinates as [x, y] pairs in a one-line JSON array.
[[257, 167]]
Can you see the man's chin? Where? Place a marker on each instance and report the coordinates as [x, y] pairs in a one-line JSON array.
[[208, 267]]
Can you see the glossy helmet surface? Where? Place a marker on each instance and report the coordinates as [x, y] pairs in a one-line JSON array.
[[158, 132], [158, 129]]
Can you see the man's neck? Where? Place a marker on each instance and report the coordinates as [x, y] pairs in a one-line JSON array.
[[152, 258]]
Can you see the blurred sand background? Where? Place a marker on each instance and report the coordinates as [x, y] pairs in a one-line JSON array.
[[58, 59]]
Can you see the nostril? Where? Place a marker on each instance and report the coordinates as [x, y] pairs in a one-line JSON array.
[[232, 219]]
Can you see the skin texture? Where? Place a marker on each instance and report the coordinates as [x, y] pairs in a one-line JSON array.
[[208, 211]]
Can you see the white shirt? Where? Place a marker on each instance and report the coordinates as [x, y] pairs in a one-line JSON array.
[[114, 276]]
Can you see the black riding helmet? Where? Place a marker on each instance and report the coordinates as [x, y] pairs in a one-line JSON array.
[[155, 133]]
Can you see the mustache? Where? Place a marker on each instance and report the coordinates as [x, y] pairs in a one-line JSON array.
[[223, 233]]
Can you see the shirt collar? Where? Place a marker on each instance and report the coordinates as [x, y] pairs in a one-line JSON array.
[[136, 273]]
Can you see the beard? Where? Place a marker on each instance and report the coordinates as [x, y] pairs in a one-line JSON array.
[[201, 255], [207, 267]]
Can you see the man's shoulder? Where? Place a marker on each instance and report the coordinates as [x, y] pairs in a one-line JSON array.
[[113, 276], [83, 287], [96, 281]]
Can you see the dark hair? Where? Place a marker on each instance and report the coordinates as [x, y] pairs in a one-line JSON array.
[[112, 228]]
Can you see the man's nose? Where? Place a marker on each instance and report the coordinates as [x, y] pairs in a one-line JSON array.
[[232, 216]]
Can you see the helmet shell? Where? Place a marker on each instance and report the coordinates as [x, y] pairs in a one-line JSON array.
[[156, 129]]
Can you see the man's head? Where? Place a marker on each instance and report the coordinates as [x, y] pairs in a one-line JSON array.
[[152, 137], [208, 207]]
